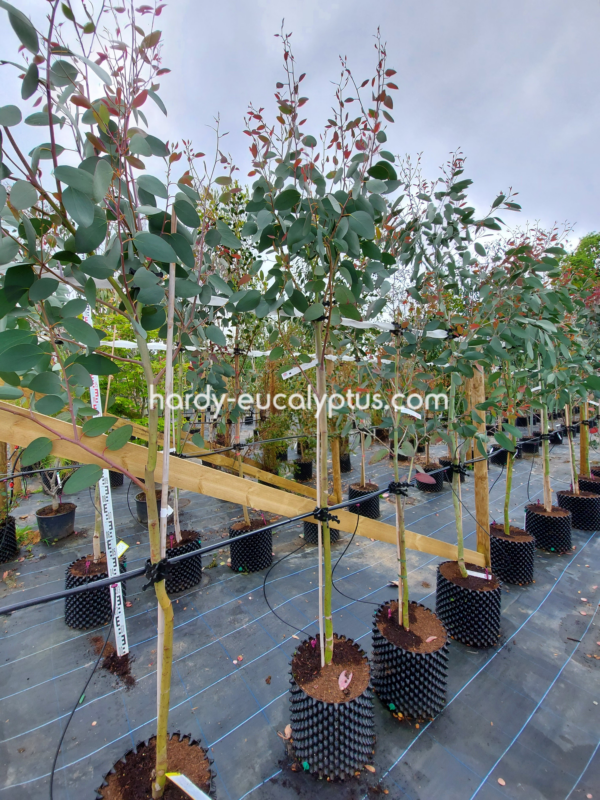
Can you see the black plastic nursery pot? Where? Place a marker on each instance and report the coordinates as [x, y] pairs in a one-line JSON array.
[[345, 463], [438, 476], [499, 456], [522, 422], [187, 573], [383, 434], [311, 533], [556, 437], [135, 770], [589, 483], [282, 454], [530, 445], [512, 556], [369, 508], [8, 539], [595, 471], [92, 608], [469, 608], [409, 668], [253, 553], [333, 730], [54, 525], [141, 507], [550, 529], [303, 470], [584, 508], [116, 478]]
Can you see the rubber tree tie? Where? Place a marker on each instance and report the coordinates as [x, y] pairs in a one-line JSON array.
[[395, 487], [323, 515], [545, 437], [157, 572]]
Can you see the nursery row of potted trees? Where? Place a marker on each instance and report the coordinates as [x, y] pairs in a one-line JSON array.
[[334, 237]]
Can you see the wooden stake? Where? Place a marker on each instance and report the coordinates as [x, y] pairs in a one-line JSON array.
[[584, 439], [482, 491], [3, 484]]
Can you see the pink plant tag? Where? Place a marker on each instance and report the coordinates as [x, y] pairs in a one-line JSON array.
[[313, 642], [389, 613], [171, 537], [344, 680], [430, 639], [87, 566]]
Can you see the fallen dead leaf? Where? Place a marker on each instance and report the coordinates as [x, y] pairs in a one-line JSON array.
[[502, 782], [128, 603], [268, 680], [430, 638], [94, 723], [288, 731], [370, 767], [583, 613], [294, 636]]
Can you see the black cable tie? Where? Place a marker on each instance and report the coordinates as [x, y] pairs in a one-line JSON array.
[[545, 437], [237, 446], [323, 515], [396, 329], [395, 487], [591, 421], [156, 572], [458, 468]]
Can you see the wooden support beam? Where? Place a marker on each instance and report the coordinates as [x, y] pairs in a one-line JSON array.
[[480, 468], [335, 467], [196, 478], [3, 484]]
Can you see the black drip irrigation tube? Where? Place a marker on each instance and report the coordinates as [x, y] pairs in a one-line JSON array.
[[145, 571]]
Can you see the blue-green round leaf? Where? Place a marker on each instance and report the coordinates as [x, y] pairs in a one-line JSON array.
[[287, 199], [316, 311], [98, 365], [41, 118], [82, 332], [36, 451], [79, 206], [23, 28], [97, 267], [96, 426], [89, 238], [187, 213], [8, 250], [119, 437], [82, 478], [250, 301], [77, 178], [228, 237], [49, 405], [45, 383], [10, 115], [73, 308], [63, 73], [151, 184], [10, 392], [154, 247], [30, 81], [20, 358], [42, 289], [23, 195], [215, 335]]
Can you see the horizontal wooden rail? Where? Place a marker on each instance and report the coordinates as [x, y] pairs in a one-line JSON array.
[[194, 477]]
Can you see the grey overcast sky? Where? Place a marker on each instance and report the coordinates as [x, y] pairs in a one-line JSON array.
[[512, 83]]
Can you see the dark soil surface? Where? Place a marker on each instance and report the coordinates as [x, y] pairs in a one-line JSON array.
[[516, 534], [85, 566], [322, 682], [48, 511], [451, 572], [556, 510], [423, 624], [368, 487], [567, 493], [114, 663], [242, 527], [132, 780], [186, 537]]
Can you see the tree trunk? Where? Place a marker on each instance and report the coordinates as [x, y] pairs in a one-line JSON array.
[[546, 452]]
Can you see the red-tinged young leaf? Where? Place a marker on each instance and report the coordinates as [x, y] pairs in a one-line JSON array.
[[423, 477], [389, 73], [391, 85], [388, 116], [80, 100], [136, 162], [163, 71], [244, 279], [140, 99], [159, 9]]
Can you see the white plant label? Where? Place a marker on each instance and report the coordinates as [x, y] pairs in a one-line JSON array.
[[108, 523], [185, 784], [479, 575]]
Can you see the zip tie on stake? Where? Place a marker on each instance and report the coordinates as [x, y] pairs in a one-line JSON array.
[[323, 515], [156, 572]]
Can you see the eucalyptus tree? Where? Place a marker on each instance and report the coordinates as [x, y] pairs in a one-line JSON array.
[[83, 213], [315, 206]]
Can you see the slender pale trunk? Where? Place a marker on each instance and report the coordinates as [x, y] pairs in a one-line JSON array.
[[584, 439], [456, 488], [546, 453], [363, 476], [335, 467], [322, 492], [572, 463], [238, 424], [96, 548], [177, 427], [112, 350]]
